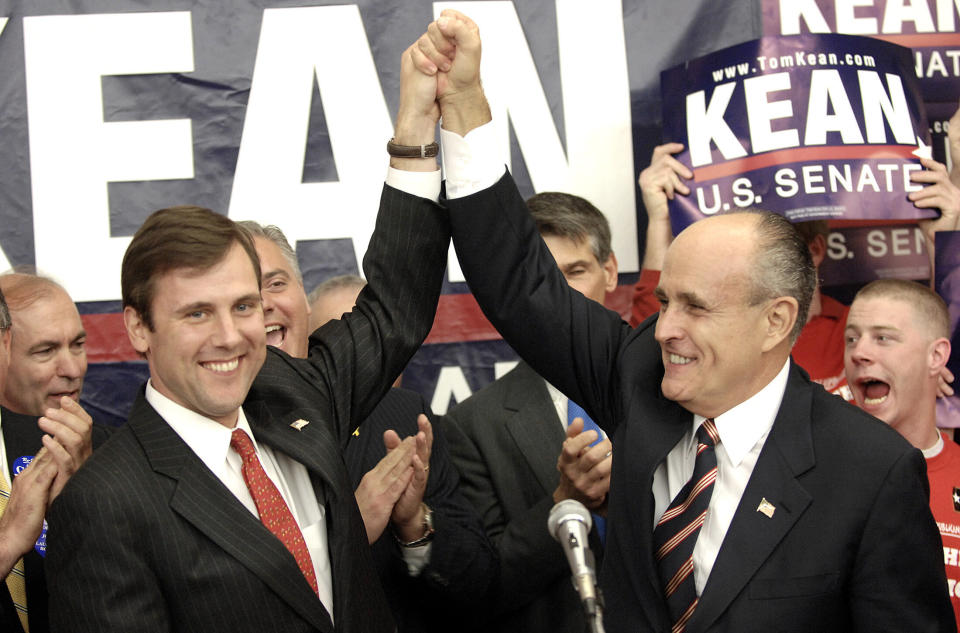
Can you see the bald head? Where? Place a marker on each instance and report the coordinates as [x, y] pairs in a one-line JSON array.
[[48, 357]]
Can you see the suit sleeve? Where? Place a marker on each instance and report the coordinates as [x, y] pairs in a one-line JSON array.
[[98, 579], [899, 582], [353, 361], [529, 557], [571, 341]]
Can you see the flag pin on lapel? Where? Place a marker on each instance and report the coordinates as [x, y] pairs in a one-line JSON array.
[[766, 508], [299, 424]]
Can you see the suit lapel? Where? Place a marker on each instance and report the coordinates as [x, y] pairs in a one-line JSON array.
[[202, 500], [651, 439], [314, 445], [534, 424], [752, 535]]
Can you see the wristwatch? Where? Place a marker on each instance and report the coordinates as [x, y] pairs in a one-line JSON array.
[[428, 529]]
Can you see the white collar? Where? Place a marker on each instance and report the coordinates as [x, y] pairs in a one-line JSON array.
[[934, 450], [741, 427], [209, 439]]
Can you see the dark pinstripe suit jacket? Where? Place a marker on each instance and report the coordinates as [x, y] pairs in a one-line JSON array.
[[21, 436], [146, 538], [462, 562]]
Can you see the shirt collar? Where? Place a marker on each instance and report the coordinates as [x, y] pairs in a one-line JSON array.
[[209, 439], [744, 425], [933, 451]]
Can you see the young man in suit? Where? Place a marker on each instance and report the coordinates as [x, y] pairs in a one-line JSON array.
[[224, 504], [805, 514], [518, 453], [37, 456], [897, 343], [428, 545]]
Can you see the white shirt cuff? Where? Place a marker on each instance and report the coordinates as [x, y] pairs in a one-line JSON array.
[[471, 163], [423, 184], [416, 558]]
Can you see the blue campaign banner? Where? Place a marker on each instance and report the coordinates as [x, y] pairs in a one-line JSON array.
[[808, 126], [946, 279], [928, 27]]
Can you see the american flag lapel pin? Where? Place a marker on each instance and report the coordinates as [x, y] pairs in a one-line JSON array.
[[766, 508], [299, 424]]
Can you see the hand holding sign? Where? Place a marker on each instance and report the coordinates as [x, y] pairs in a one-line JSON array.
[[659, 183], [938, 193]]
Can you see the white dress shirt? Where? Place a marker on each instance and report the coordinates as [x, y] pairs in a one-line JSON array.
[[743, 431], [210, 440]]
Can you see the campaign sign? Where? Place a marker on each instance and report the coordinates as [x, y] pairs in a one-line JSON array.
[[929, 27], [809, 126], [861, 254], [947, 284]]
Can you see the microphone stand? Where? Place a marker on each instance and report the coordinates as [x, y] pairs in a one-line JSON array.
[[594, 613]]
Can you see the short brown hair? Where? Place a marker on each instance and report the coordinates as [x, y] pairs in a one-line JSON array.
[[930, 307], [174, 238], [574, 218]]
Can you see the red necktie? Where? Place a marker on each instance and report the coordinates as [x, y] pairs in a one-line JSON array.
[[274, 512], [676, 532]]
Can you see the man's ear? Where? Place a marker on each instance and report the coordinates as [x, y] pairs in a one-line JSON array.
[[780, 316], [610, 272], [938, 355], [818, 250], [137, 330]]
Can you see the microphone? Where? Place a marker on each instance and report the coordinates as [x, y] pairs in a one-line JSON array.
[[569, 523]]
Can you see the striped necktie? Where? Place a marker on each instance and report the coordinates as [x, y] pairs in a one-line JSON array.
[[273, 510], [16, 579], [676, 532]]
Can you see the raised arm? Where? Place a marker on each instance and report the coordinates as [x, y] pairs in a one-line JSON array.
[[354, 360], [664, 178]]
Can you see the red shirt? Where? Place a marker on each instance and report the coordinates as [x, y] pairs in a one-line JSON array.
[[819, 350], [943, 472]]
